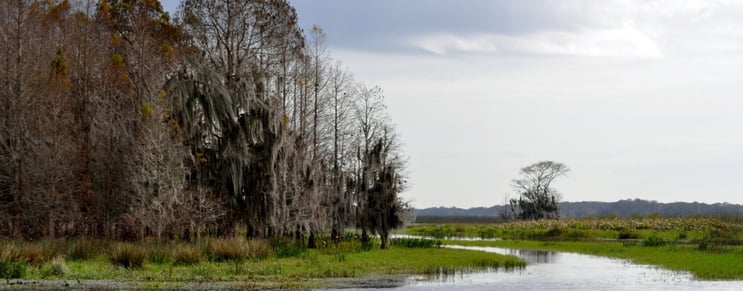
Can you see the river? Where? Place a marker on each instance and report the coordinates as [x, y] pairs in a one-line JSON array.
[[564, 271]]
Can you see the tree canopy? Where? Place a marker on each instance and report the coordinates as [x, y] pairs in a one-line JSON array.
[[537, 198]]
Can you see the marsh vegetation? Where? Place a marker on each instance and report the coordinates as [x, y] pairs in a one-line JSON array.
[[708, 247], [237, 262]]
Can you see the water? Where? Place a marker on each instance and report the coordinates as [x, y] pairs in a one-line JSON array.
[[565, 271]]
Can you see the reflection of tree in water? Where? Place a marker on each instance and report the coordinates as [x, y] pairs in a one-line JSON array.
[[540, 257], [454, 275]]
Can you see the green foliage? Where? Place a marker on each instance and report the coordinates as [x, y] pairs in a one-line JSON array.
[[146, 109], [289, 250], [653, 241], [628, 234], [128, 255], [59, 64], [158, 255], [367, 246], [117, 60], [553, 232], [10, 269], [415, 243]]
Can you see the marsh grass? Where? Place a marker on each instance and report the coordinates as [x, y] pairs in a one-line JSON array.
[[415, 242], [56, 268], [262, 263], [286, 248], [128, 255], [10, 269], [344, 259], [85, 249], [692, 229], [17, 257], [223, 250], [654, 241], [185, 254], [159, 254]]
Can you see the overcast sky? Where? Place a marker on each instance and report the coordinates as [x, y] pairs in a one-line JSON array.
[[641, 99]]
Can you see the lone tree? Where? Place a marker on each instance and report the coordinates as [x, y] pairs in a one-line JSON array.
[[537, 199]]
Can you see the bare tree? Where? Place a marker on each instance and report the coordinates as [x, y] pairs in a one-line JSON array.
[[340, 123], [35, 123], [537, 199], [119, 123], [379, 169]]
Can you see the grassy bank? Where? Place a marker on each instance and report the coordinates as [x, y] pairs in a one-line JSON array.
[[236, 263], [710, 265], [708, 247]]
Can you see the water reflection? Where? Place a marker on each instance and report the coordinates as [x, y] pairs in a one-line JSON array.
[[565, 271], [464, 238]]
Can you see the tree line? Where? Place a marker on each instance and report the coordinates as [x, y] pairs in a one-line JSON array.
[[121, 121], [621, 208]]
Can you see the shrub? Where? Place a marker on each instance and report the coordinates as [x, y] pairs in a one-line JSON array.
[[158, 255], [10, 269], [83, 250], [187, 255], [289, 250], [10, 266], [704, 245], [128, 255], [653, 241], [553, 232], [33, 255], [221, 250], [259, 249], [57, 267], [367, 246], [628, 234]]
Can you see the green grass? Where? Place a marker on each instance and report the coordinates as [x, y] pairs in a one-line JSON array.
[[293, 272], [415, 242], [251, 264]]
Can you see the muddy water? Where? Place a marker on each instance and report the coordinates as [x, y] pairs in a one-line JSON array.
[[564, 271]]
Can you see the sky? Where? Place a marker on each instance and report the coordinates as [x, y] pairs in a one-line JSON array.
[[639, 98]]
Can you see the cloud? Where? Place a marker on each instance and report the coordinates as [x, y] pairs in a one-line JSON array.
[[639, 97], [620, 42], [634, 28]]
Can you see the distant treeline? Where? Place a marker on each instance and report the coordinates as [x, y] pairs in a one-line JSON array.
[[621, 208], [458, 219]]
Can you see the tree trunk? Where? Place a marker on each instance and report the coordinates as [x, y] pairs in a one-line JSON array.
[[384, 236], [364, 237], [311, 244], [334, 235]]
